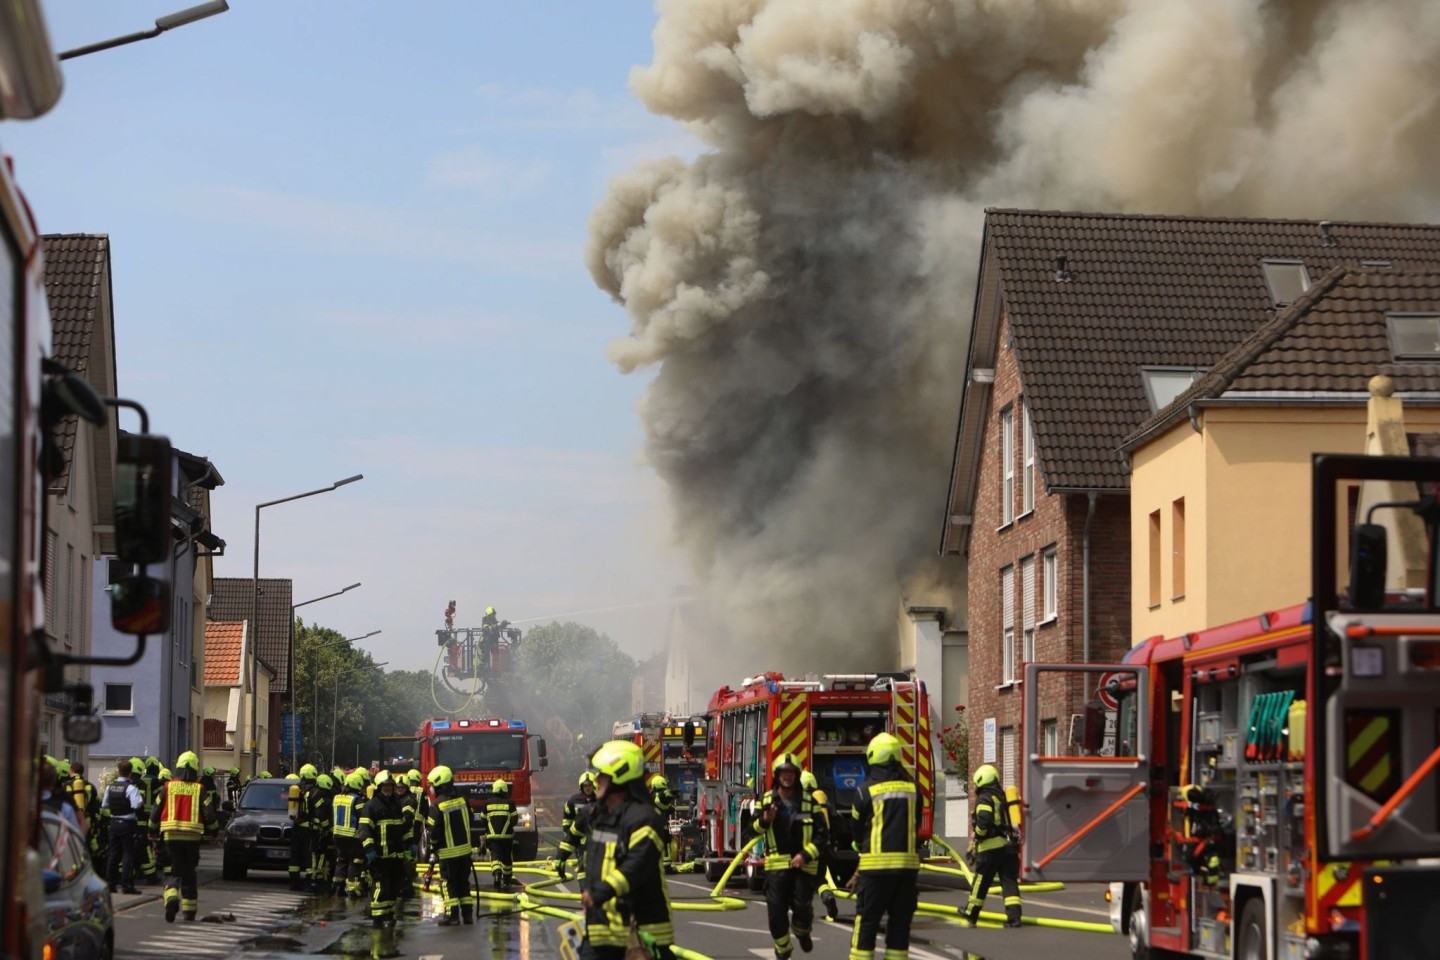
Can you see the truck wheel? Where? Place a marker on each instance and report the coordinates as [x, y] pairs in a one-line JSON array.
[[714, 869], [1138, 928], [1251, 935], [527, 846]]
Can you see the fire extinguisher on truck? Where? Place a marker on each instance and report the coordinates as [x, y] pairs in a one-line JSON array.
[[1270, 788], [826, 722]]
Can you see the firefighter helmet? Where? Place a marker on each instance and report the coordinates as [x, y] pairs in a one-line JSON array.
[[62, 767], [500, 787], [884, 748], [292, 776], [985, 774], [383, 777], [265, 775], [440, 776], [489, 611], [165, 773], [808, 781], [323, 781], [620, 760], [657, 781], [137, 766], [587, 776], [782, 761], [188, 761], [308, 772], [234, 771], [413, 778], [208, 772], [353, 781]]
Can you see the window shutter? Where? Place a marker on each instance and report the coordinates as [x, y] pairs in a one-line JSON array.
[[1007, 597], [1007, 756], [1027, 589], [51, 545]]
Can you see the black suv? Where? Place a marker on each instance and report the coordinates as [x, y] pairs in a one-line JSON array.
[[258, 834]]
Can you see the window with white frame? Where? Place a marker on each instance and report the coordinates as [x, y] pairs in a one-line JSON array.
[[1007, 465], [1049, 585], [119, 698], [1007, 608], [1027, 469], [1027, 610], [1049, 738]]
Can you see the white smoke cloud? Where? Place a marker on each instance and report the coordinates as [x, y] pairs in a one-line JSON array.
[[806, 286]]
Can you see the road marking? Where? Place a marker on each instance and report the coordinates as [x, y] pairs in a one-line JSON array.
[[726, 926], [925, 954]]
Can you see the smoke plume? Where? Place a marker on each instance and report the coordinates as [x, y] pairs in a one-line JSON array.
[[805, 286]]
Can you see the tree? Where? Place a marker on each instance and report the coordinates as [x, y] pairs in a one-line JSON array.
[[576, 673]]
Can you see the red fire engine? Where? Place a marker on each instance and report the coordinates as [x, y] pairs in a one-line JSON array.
[[827, 723], [481, 752], [644, 730], [1253, 777]]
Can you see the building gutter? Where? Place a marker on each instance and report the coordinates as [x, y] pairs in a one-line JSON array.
[[1091, 498]]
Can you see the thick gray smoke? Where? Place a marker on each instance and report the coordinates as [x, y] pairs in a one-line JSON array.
[[806, 286]]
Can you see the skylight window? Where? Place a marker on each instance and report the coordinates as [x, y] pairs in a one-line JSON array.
[[1287, 279], [1414, 336], [1164, 384]]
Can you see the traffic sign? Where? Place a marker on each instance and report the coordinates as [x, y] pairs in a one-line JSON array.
[[292, 727], [1107, 699]]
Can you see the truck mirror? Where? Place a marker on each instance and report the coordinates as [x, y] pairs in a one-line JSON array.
[[689, 735], [142, 499], [1368, 554], [140, 605], [81, 724], [541, 747]]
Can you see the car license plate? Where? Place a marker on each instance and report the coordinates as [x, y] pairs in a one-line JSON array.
[[277, 854]]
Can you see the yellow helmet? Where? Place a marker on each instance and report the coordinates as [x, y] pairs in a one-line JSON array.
[[62, 769], [489, 611], [383, 777], [500, 787], [587, 776], [808, 781], [324, 782], [985, 774], [188, 761], [353, 781], [620, 760], [440, 776], [308, 772], [292, 776], [657, 781], [884, 748], [165, 773], [413, 778], [785, 760]]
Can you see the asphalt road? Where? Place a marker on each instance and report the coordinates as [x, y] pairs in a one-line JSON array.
[[260, 917]]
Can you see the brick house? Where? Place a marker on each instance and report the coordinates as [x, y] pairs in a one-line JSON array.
[[1084, 327]]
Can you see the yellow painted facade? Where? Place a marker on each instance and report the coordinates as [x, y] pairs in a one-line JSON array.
[[1244, 481]]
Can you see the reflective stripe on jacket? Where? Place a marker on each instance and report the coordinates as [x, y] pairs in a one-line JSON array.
[[344, 815], [804, 833], [385, 825], [181, 813], [886, 816], [448, 826], [500, 818], [991, 818]]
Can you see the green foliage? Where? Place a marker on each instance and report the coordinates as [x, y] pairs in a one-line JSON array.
[[955, 745], [577, 674]]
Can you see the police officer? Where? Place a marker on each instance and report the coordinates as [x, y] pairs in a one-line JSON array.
[[794, 834], [447, 824], [344, 825], [123, 804], [996, 845], [624, 878], [500, 817], [301, 786], [575, 823], [385, 839], [811, 786], [887, 813], [180, 815]]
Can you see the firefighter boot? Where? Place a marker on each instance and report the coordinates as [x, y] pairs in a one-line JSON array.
[[1012, 916], [172, 904], [467, 913], [497, 875], [832, 908], [972, 916], [450, 919]]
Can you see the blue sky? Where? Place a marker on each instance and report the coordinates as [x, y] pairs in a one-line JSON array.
[[347, 238]]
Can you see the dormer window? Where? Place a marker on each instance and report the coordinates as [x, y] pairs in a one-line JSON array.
[[1414, 336], [1164, 384], [1287, 279]]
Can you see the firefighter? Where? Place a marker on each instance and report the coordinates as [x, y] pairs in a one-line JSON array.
[[624, 879], [232, 785], [321, 795], [997, 847], [123, 806], [886, 814], [147, 865], [500, 817], [385, 839], [408, 788], [344, 826], [811, 786], [88, 799], [210, 797], [795, 833], [447, 824], [180, 815], [576, 823], [489, 636], [663, 800], [301, 835]]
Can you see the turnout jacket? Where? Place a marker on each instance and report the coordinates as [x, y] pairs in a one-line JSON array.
[[500, 817], [625, 875], [385, 825], [181, 811], [991, 819], [576, 822], [887, 814], [801, 829], [447, 824]]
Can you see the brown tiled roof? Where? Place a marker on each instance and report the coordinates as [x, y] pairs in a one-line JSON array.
[[1146, 290], [1331, 340], [224, 647], [231, 599], [74, 288]]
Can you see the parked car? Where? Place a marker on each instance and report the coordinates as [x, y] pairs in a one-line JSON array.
[[79, 918], [258, 834]]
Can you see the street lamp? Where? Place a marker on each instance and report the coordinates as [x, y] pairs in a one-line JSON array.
[[290, 691], [168, 22], [315, 671], [255, 619], [335, 705]]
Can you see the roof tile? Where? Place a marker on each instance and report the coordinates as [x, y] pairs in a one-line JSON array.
[[224, 646]]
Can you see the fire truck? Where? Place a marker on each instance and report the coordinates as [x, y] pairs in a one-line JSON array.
[[481, 752], [1267, 788], [674, 748], [827, 723], [643, 730]]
